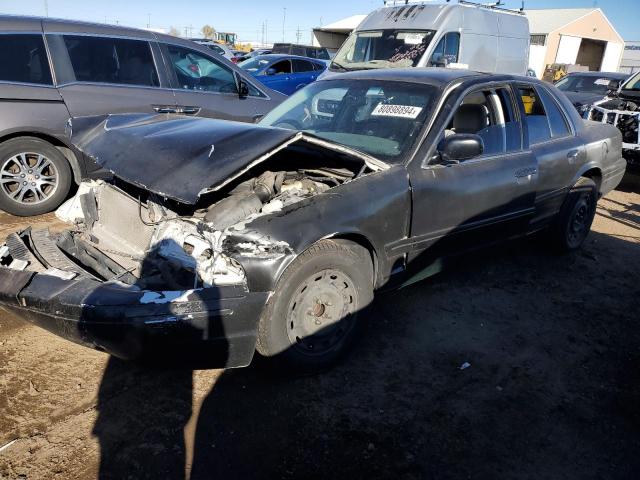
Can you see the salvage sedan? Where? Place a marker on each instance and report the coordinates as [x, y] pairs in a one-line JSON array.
[[232, 238]]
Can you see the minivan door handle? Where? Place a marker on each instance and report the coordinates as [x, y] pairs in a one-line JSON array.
[[164, 108]]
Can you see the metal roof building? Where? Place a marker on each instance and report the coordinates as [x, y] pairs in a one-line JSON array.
[[574, 36]]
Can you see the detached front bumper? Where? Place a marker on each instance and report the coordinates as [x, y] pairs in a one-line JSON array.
[[218, 324]]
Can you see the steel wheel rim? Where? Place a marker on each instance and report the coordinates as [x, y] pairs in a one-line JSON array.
[[579, 224], [321, 312], [29, 178]]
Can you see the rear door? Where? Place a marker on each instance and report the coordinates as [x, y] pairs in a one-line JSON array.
[[205, 86], [101, 74], [558, 150]]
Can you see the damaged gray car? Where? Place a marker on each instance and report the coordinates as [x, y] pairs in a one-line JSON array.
[[232, 238]]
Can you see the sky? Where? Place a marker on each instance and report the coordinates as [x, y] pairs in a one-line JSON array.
[[246, 17]]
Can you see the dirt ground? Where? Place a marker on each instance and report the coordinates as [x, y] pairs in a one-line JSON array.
[[552, 390]]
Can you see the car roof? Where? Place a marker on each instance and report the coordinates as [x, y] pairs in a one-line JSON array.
[[435, 76], [599, 74], [283, 56]]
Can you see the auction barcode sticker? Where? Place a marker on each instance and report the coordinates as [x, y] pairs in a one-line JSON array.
[[403, 111]]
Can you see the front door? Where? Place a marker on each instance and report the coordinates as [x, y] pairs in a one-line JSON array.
[[457, 206], [205, 86]]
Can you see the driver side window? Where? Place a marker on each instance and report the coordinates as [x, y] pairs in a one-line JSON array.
[[490, 114], [447, 48], [194, 71]]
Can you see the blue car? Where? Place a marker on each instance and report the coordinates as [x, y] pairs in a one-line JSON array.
[[285, 73]]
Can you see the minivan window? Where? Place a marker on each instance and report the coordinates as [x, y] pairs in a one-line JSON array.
[[111, 60], [194, 71], [383, 49], [23, 59]]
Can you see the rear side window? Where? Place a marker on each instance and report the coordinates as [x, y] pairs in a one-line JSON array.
[[300, 66], [537, 120], [23, 59], [111, 60], [557, 120]]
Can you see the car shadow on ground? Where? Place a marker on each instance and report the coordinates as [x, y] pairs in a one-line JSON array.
[[551, 391]]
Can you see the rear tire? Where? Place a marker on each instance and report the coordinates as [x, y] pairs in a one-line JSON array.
[[35, 177], [311, 319], [574, 221]]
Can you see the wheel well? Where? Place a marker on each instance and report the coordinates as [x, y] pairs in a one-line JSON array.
[[64, 149], [365, 243], [594, 174]]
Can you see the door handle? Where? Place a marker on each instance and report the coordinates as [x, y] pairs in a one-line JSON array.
[[572, 156], [164, 108], [187, 110], [527, 173]]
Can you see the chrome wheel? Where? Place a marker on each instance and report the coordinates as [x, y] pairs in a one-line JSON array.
[[321, 312], [29, 178]]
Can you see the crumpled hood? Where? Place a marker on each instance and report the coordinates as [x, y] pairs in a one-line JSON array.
[[174, 156]]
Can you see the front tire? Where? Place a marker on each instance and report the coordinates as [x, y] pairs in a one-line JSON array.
[[311, 319], [35, 177], [576, 216]]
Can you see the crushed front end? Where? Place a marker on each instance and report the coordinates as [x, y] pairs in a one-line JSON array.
[[624, 114]]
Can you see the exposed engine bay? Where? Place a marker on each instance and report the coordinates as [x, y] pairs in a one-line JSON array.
[[125, 234], [625, 115]]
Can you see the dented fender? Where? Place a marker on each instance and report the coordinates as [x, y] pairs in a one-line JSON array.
[[382, 216]]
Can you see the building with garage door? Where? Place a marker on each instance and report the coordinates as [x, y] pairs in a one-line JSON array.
[[573, 36]]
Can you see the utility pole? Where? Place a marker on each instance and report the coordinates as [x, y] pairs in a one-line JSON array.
[[298, 34], [148, 20], [46, 8], [284, 19], [266, 31]]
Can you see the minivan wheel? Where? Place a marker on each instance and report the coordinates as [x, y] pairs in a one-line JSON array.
[[576, 216], [35, 177], [311, 319]]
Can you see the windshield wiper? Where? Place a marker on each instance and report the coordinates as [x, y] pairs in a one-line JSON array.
[[340, 67]]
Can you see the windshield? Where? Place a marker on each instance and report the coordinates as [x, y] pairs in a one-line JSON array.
[[382, 49], [380, 118], [633, 83], [584, 84], [254, 64]]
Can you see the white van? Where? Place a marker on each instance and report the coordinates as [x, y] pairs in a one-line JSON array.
[[458, 35]]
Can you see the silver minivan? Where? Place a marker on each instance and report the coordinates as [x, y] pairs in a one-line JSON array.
[[51, 70], [462, 35]]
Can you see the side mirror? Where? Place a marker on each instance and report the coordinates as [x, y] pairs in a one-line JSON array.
[[243, 89], [614, 85], [460, 147], [440, 61], [271, 71]]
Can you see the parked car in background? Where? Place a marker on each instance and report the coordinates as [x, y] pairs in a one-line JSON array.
[[622, 109], [462, 35], [219, 48], [284, 73], [254, 53], [51, 70], [276, 240], [310, 51], [585, 88]]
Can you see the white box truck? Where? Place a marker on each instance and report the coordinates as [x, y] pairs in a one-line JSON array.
[[422, 34]]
